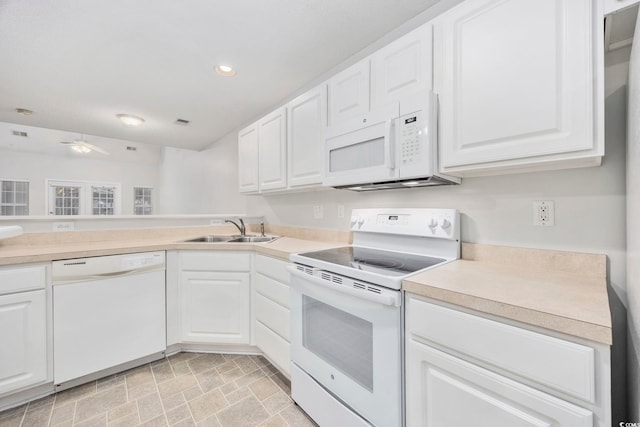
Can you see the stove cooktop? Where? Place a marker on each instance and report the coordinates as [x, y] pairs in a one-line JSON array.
[[386, 263]]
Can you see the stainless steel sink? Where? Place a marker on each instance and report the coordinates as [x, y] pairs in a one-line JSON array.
[[231, 239], [211, 239], [252, 239]]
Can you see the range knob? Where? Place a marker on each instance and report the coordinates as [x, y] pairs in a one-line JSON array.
[[360, 221], [354, 221], [433, 223], [445, 223]]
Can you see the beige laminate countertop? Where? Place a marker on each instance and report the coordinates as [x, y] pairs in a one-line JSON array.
[[31, 250], [561, 291]]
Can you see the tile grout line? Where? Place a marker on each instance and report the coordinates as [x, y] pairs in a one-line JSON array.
[[155, 382]]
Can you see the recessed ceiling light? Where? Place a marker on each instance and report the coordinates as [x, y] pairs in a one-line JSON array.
[[225, 70], [130, 120], [24, 111]]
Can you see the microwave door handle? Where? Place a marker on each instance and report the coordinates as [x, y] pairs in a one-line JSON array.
[[390, 144]]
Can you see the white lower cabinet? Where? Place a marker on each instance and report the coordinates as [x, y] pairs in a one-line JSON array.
[[467, 369], [215, 297], [271, 310], [23, 327]]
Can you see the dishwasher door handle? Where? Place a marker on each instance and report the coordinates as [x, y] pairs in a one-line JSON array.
[[61, 280]]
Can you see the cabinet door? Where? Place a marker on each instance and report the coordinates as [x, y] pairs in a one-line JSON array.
[[402, 68], [248, 159], [272, 150], [444, 391], [515, 80], [349, 93], [215, 307], [23, 334], [307, 119]]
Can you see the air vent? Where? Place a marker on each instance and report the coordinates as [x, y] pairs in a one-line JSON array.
[[182, 122], [325, 276], [337, 280], [129, 148], [359, 285], [304, 269], [19, 133], [374, 290]]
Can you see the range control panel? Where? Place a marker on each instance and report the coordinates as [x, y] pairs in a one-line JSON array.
[[436, 223]]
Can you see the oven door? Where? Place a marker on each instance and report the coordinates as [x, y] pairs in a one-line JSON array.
[[362, 150], [349, 340]]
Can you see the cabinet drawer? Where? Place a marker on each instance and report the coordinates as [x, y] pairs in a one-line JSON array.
[[273, 268], [273, 315], [271, 289], [215, 261], [561, 365], [22, 279], [277, 349]]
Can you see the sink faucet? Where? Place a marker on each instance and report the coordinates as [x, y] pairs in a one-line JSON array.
[[240, 227]]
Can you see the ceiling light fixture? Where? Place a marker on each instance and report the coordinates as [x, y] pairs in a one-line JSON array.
[[225, 70], [80, 149], [130, 120]]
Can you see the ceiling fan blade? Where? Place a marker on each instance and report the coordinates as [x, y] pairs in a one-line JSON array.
[[92, 147]]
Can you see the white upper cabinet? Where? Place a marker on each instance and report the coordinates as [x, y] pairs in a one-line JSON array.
[[307, 119], [517, 85], [248, 159], [272, 150], [402, 67], [349, 93]]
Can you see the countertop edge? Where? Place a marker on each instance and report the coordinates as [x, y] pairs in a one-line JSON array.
[[591, 331]]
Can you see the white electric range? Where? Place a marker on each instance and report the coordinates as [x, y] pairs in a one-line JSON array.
[[347, 314]]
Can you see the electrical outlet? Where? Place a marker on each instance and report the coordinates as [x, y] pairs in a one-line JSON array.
[[317, 212], [543, 213], [64, 226], [340, 211]]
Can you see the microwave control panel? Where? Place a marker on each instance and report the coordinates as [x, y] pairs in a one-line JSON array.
[[415, 144], [411, 141]]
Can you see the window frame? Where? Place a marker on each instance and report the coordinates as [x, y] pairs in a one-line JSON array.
[[14, 205]]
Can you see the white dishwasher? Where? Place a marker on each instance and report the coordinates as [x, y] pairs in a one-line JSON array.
[[108, 315]]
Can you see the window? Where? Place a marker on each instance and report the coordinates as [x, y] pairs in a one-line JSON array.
[[103, 200], [142, 204], [14, 198], [83, 198], [67, 200]]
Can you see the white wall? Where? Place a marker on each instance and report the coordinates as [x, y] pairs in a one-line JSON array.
[[633, 230], [184, 182]]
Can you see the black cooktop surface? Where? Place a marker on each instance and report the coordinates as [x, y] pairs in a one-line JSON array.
[[375, 260]]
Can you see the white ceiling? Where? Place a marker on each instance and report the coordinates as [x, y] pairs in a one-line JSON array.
[[78, 63]]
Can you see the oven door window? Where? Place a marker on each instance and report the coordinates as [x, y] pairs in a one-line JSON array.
[[339, 338]]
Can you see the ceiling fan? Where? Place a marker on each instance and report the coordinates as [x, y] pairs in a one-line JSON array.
[[82, 146]]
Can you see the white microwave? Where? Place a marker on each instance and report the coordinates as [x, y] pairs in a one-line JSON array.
[[392, 147]]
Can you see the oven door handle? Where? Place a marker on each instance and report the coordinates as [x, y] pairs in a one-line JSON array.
[[387, 300]]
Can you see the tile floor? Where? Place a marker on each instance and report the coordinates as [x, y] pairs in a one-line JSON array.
[[186, 389]]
